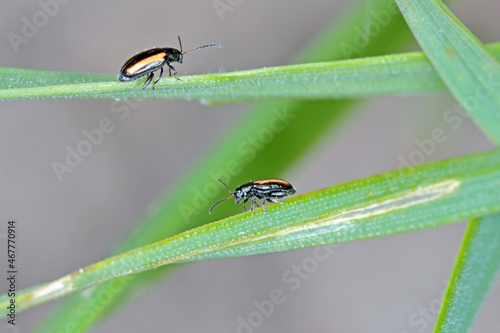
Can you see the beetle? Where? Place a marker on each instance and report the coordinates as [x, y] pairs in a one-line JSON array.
[[149, 61], [269, 190]]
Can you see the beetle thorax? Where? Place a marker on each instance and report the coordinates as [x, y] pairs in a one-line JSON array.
[[242, 193]]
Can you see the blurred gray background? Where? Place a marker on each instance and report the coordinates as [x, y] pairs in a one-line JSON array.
[[378, 285]]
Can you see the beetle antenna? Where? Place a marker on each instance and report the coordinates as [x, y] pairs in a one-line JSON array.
[[226, 186], [200, 47], [180, 43], [218, 202]]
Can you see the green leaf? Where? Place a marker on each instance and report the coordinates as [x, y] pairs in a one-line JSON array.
[[474, 274], [473, 77], [400, 201], [372, 76], [469, 71]]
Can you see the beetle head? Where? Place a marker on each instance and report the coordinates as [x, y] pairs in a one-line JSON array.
[[238, 196], [175, 56]]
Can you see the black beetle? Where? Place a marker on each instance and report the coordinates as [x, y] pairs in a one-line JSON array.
[[149, 61], [269, 190]]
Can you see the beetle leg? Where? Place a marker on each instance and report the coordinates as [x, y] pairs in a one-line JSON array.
[[148, 81], [264, 206], [161, 74], [274, 200], [244, 202], [170, 67]]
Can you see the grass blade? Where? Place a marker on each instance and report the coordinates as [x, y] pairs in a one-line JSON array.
[[372, 76], [469, 71], [400, 201], [474, 274], [473, 76]]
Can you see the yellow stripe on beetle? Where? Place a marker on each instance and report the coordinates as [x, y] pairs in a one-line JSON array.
[[271, 180], [159, 57]]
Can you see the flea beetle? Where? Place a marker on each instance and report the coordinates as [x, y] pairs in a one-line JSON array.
[[149, 61], [269, 190]]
